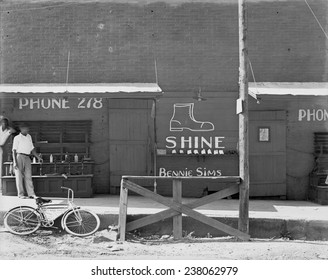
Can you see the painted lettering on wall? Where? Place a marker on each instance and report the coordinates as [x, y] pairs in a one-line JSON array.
[[312, 115], [184, 121], [199, 172], [195, 142], [59, 103]]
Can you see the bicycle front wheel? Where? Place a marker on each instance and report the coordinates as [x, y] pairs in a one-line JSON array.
[[81, 222], [22, 220]]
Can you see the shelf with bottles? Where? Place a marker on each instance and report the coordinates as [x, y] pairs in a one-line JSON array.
[[82, 167], [56, 158]]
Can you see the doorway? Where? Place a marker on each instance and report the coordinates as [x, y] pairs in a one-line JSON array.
[[267, 148], [131, 139]]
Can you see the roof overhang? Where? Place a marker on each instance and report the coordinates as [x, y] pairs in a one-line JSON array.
[[282, 89], [115, 90]]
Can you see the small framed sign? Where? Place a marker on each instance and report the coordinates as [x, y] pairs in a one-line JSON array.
[[264, 134]]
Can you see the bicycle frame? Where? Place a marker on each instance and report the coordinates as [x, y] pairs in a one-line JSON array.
[[50, 212]]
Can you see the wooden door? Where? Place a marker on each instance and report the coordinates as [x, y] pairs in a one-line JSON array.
[[131, 134], [267, 140]]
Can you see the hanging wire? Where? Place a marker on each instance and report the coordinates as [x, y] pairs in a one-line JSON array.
[[324, 32], [251, 67], [257, 91], [67, 68], [156, 73]]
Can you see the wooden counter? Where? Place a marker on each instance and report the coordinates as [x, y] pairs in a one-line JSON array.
[[47, 179], [49, 185]]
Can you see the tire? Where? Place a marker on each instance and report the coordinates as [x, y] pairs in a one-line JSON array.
[[81, 222], [22, 220]]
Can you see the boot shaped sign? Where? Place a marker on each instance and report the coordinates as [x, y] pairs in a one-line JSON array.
[[183, 119]]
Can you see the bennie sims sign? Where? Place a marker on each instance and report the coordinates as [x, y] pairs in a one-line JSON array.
[[191, 136], [186, 172]]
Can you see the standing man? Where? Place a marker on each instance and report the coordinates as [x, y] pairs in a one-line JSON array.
[[23, 148], [5, 132]]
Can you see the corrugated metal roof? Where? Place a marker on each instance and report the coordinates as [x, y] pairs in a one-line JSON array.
[[81, 88], [300, 89]]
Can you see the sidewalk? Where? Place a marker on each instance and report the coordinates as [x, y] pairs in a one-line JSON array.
[[268, 219]]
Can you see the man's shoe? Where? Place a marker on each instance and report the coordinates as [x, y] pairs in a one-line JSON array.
[[40, 200]]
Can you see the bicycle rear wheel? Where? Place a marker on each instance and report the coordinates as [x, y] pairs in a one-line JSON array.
[[22, 220], [81, 222]]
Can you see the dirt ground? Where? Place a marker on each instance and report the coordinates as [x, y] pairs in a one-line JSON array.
[[55, 244]]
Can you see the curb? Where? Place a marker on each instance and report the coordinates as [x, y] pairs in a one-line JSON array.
[[259, 228]]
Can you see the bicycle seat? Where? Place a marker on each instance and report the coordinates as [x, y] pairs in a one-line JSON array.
[[41, 201]]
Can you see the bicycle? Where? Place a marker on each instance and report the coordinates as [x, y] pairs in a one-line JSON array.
[[24, 220]]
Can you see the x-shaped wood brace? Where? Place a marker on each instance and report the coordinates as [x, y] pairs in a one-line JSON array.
[[187, 209]]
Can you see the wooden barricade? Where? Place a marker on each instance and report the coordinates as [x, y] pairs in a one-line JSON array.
[[176, 207]]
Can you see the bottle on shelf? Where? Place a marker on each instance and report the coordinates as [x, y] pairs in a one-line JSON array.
[[40, 161], [66, 157], [51, 159], [76, 158], [9, 158], [11, 169], [55, 165]]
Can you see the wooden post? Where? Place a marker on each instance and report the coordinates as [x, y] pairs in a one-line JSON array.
[[123, 212], [177, 220], [243, 224]]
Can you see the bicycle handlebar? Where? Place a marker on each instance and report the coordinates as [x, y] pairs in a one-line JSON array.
[[68, 193]]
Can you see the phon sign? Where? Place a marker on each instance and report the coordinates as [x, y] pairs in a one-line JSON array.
[[43, 103], [312, 115]]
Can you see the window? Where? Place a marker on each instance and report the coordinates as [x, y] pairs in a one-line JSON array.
[[264, 134], [321, 143]]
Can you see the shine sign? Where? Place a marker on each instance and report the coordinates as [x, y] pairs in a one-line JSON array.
[[183, 120]]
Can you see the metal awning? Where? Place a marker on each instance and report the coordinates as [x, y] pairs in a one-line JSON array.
[[281, 89], [114, 90]]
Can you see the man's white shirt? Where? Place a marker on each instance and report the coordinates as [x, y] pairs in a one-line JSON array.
[[4, 134], [23, 144]]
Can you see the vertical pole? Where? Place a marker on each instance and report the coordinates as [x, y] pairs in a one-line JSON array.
[[123, 212], [67, 68], [177, 220], [1, 51], [243, 224]]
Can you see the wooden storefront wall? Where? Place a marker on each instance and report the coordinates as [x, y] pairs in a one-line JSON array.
[[219, 108]]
